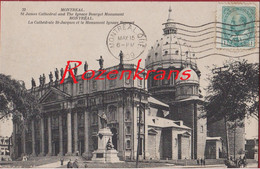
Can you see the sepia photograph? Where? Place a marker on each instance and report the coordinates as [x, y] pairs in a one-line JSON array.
[[129, 84]]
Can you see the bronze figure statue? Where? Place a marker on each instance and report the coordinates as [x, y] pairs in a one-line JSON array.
[[86, 66], [101, 62], [51, 77], [61, 72], [33, 83], [57, 74], [103, 120], [43, 79]]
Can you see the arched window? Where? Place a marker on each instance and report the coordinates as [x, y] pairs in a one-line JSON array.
[[128, 130], [128, 116], [189, 91], [128, 144]]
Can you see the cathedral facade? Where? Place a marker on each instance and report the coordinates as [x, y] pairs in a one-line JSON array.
[[167, 111], [70, 122]]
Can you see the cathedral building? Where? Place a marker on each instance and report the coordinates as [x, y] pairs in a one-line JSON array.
[[167, 111]]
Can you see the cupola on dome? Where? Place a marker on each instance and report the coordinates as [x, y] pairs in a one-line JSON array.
[[171, 50], [192, 79]]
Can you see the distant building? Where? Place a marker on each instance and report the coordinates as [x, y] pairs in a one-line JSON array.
[[5, 147], [251, 148], [236, 137], [214, 148]]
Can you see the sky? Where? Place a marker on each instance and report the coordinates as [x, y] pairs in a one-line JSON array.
[[29, 50]]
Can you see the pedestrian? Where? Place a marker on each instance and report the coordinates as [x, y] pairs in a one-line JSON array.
[[75, 164], [198, 161], [69, 165], [201, 161], [61, 161], [86, 165], [204, 161]]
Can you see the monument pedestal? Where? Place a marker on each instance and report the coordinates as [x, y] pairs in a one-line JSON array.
[[102, 155]]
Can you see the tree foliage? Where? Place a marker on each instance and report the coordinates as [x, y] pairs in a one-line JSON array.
[[233, 92], [15, 100]]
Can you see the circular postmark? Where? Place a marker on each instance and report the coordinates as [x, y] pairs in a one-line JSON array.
[[128, 38]]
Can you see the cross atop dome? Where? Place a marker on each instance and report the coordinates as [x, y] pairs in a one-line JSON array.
[[170, 15], [170, 27]]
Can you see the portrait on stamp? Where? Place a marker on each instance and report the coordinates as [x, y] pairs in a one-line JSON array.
[[238, 25]]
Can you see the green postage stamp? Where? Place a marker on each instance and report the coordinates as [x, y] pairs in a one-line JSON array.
[[237, 26]]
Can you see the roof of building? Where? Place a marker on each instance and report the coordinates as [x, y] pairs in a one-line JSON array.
[[171, 50], [190, 98], [155, 101], [213, 138], [163, 122]]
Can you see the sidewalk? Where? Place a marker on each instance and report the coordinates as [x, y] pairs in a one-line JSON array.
[[197, 166], [52, 165]]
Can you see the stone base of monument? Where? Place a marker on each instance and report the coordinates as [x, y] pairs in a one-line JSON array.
[[111, 156], [102, 155], [105, 156]]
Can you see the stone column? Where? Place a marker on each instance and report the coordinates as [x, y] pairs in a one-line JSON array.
[[23, 141], [120, 143], [60, 136], [75, 132], [33, 140], [86, 135], [42, 137], [69, 152], [49, 136]]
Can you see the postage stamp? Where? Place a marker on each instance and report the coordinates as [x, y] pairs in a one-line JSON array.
[[238, 26], [128, 38]]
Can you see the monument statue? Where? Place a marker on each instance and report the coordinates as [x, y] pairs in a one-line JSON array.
[[43, 79], [40, 80], [86, 66], [51, 77], [121, 56], [61, 72], [105, 153], [57, 74], [101, 62], [33, 83], [103, 120], [109, 145], [75, 70]]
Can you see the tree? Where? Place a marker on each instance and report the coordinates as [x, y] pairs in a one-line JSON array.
[[15, 100], [232, 94]]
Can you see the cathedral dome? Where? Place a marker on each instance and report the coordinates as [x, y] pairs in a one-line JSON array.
[[170, 51], [192, 79]]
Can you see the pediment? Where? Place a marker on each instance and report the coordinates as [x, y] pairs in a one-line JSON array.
[[152, 131], [186, 134], [53, 95]]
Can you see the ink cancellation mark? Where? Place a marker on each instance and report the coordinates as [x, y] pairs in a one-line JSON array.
[[128, 38], [238, 26]]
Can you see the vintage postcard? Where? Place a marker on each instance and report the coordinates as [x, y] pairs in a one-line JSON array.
[[129, 84]]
